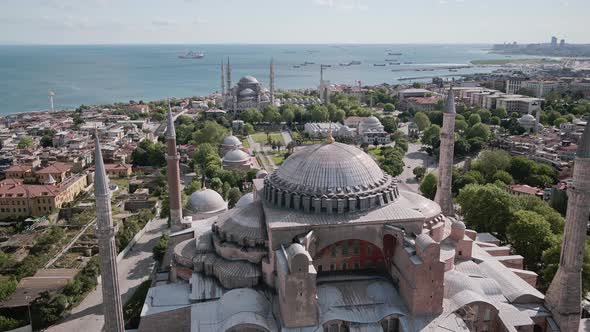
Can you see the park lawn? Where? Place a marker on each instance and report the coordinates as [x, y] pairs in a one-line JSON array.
[[278, 159], [245, 143], [261, 137], [375, 152]]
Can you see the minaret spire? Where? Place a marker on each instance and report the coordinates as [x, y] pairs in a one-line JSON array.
[[272, 81], [172, 161], [228, 68], [565, 292], [222, 81], [105, 232], [444, 196]]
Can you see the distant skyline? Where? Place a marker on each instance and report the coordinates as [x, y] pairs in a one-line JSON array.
[[291, 21]]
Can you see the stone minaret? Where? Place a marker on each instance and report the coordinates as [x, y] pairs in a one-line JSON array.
[[444, 196], [105, 232], [564, 295], [272, 82], [172, 161], [222, 82], [228, 69]]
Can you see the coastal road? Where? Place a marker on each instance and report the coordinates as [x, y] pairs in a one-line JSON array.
[[133, 270]]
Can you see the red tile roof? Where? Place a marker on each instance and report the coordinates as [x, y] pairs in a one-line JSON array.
[[57, 167], [19, 168]]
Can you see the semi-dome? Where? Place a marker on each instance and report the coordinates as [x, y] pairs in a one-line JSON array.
[[248, 79], [330, 172], [206, 201], [245, 200], [236, 156]]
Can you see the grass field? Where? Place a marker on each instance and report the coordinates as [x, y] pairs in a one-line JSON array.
[[278, 159], [262, 138]]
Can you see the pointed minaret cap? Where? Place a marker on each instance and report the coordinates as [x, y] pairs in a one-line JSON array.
[[101, 181], [584, 146], [170, 131], [330, 139], [450, 107]]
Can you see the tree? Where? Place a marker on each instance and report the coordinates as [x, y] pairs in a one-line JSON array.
[[7, 287], [461, 147], [486, 208], [551, 259], [251, 115], [419, 172], [393, 161], [431, 136], [422, 121], [388, 108], [474, 119], [319, 113], [248, 129], [502, 176], [389, 124], [339, 116], [500, 112], [159, 249], [233, 196], [428, 185], [272, 115], [480, 131], [217, 185], [46, 141], [495, 121], [534, 204], [288, 116], [484, 115], [557, 123], [25, 143], [521, 167], [461, 125], [212, 132], [491, 161], [530, 234]]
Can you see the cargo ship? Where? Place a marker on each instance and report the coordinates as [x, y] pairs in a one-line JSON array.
[[192, 55]]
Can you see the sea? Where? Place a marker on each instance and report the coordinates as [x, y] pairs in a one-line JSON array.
[[103, 74]]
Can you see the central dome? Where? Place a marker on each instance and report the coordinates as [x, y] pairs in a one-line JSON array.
[[330, 172], [248, 80], [329, 168]]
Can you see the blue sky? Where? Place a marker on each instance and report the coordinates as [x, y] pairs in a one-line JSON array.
[[291, 21]]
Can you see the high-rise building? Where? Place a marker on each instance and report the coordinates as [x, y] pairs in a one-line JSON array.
[[105, 232], [554, 42]]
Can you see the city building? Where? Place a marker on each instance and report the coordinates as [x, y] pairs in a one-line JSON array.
[[18, 199], [420, 104]]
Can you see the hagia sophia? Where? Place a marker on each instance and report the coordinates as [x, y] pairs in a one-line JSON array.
[[328, 242]]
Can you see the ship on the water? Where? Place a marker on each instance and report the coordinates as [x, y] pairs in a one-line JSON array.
[[192, 55]]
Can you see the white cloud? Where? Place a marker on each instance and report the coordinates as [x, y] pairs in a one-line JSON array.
[[343, 4], [162, 22]]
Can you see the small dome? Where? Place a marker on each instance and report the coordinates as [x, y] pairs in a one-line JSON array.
[[372, 120], [249, 80], [247, 92], [245, 200], [206, 201], [231, 140], [528, 117], [458, 225], [236, 155]]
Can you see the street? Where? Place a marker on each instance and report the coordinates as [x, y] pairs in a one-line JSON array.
[[133, 270], [412, 159]]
